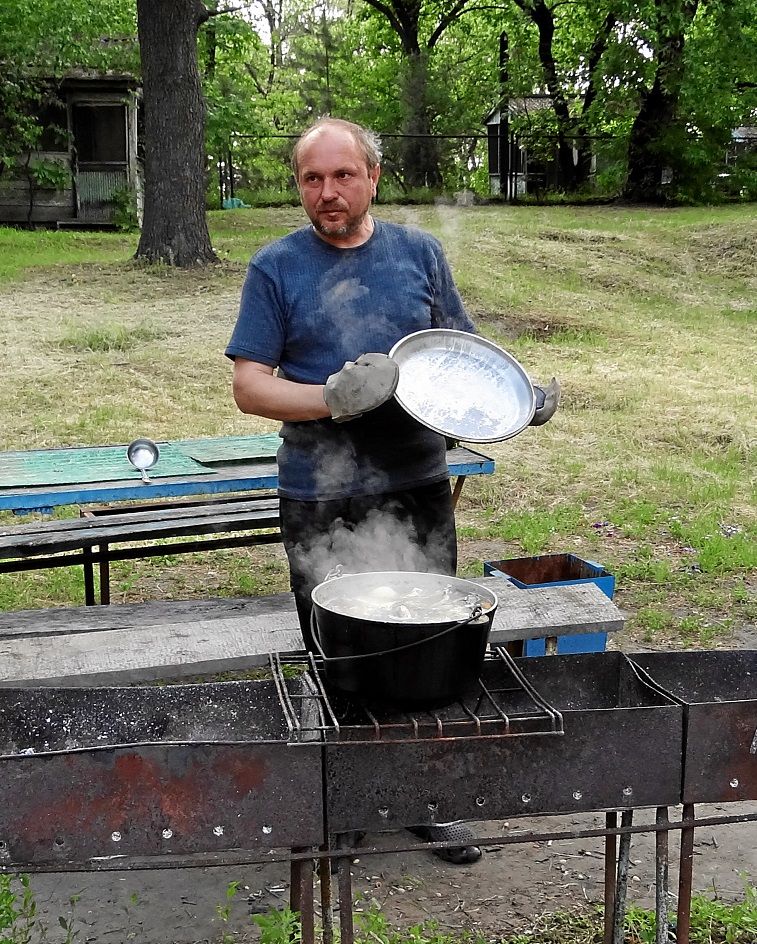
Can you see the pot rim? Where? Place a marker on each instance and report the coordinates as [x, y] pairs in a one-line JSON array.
[[485, 593]]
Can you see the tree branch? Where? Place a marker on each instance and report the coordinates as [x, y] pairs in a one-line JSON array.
[[454, 14], [210, 12], [256, 81], [389, 13], [596, 52]]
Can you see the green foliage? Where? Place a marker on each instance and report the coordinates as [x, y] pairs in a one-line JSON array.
[[125, 216], [18, 909], [223, 909], [19, 919], [279, 927], [49, 175], [39, 41]]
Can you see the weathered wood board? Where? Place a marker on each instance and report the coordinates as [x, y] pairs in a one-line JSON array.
[[146, 641]]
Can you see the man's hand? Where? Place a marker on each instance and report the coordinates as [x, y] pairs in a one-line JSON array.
[[547, 400], [360, 386]]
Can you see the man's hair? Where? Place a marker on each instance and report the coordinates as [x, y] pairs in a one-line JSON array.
[[367, 140]]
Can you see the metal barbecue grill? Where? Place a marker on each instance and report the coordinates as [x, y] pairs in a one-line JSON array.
[[89, 776], [594, 735], [718, 690]]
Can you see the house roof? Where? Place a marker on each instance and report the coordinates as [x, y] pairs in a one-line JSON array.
[[745, 134], [91, 79], [523, 105]]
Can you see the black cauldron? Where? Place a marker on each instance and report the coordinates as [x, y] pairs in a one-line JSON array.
[[423, 661]]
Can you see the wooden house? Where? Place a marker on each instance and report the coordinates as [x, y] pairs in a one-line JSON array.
[[90, 142], [513, 170]]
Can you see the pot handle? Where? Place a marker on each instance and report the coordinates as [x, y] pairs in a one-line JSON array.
[[477, 612]]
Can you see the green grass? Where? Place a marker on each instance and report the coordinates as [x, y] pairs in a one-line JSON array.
[[23, 250], [646, 316], [106, 338]]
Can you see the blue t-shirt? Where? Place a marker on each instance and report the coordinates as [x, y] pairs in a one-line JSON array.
[[306, 308]]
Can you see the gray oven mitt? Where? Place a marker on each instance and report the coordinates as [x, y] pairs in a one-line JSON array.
[[547, 401], [360, 386]]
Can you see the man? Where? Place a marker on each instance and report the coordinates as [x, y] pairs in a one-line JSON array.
[[361, 483]]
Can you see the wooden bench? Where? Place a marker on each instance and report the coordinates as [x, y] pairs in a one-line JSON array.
[[158, 527], [137, 642], [160, 519]]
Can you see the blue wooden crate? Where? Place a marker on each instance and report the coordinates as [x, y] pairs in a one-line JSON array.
[[556, 570]]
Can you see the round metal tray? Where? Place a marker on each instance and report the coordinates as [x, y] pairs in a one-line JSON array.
[[462, 385]]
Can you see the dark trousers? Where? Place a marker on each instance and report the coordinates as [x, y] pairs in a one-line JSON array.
[[410, 530]]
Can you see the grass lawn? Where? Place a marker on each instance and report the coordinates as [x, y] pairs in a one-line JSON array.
[[646, 316]]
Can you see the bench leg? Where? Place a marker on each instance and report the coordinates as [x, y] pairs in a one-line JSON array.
[[104, 574], [89, 577], [458, 487]]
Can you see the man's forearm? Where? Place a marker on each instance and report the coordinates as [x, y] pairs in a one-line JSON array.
[[264, 394]]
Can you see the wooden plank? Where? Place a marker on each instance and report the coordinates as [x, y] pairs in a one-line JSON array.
[[66, 620], [240, 477], [231, 448], [555, 611], [236, 477], [78, 465], [104, 646], [84, 619], [145, 654], [265, 506]]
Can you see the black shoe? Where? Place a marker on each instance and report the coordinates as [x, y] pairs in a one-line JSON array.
[[465, 854]]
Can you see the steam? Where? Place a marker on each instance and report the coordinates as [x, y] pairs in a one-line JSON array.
[[381, 542], [345, 299]]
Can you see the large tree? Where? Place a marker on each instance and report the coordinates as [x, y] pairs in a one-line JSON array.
[[419, 27], [701, 87], [572, 86], [653, 135], [175, 229]]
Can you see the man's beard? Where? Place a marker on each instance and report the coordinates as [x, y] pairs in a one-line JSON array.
[[350, 226]]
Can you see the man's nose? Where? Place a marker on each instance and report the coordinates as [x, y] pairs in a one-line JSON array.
[[329, 189]]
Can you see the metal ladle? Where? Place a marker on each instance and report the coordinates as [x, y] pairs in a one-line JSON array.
[[143, 454]]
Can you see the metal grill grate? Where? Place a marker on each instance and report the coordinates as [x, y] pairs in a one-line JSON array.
[[504, 704]]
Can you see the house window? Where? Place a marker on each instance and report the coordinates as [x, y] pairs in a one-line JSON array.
[[51, 117], [100, 133]]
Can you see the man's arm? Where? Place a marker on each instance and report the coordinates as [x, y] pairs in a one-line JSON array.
[[258, 391]]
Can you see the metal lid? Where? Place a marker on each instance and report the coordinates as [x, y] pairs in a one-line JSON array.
[[462, 385]]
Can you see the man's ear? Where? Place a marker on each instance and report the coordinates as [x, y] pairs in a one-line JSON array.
[[375, 173]]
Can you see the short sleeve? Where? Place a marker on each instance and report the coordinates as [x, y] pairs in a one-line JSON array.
[[260, 332]]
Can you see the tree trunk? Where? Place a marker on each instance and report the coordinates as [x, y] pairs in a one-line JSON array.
[[543, 17], [175, 229], [420, 152], [647, 157], [571, 131], [649, 153]]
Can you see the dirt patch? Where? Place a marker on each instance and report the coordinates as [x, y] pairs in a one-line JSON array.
[[511, 326], [724, 250], [501, 893], [578, 236]]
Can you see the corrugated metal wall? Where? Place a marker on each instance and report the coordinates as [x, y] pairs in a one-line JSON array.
[[94, 193]]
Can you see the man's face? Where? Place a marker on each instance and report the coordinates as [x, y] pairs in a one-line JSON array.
[[336, 186]]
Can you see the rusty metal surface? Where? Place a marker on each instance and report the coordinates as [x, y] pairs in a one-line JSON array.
[[719, 692], [621, 748], [90, 773]]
